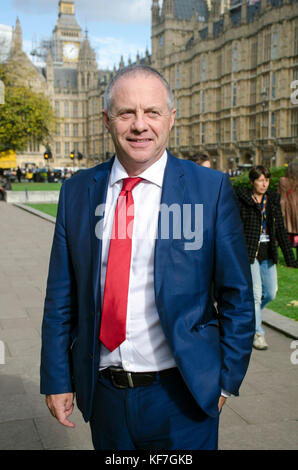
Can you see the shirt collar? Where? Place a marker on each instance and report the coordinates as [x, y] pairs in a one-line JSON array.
[[154, 174]]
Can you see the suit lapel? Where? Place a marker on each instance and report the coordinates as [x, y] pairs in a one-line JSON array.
[[172, 193], [97, 198]]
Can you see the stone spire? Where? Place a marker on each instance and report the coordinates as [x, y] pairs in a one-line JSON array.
[[87, 66], [155, 11], [87, 55], [17, 38], [121, 64], [50, 66], [168, 7]]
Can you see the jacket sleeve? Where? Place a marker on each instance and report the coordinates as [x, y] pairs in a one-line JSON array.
[[59, 311], [233, 291], [281, 234]]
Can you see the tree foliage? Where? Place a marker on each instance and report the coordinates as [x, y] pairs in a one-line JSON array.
[[25, 116]]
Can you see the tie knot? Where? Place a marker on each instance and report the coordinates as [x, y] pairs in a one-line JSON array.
[[130, 183]]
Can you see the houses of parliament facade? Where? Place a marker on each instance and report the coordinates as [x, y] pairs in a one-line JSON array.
[[232, 65]]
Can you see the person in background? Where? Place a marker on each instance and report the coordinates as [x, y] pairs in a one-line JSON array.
[[288, 190], [202, 160], [263, 224], [19, 174]]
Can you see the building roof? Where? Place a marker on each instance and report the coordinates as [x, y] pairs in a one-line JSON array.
[[183, 9], [65, 78], [68, 22]]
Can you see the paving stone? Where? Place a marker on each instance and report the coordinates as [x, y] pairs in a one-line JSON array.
[[56, 436], [273, 436], [14, 406], [19, 435], [269, 407]]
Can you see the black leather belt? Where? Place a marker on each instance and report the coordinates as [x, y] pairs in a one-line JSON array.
[[120, 378]]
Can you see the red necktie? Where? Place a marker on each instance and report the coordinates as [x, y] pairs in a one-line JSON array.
[[114, 308]]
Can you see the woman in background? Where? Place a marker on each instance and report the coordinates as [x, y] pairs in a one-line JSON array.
[[263, 224], [288, 190]]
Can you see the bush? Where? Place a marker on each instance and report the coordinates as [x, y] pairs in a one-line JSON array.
[[243, 180]]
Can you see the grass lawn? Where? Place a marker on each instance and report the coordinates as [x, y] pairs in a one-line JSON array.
[[36, 186], [287, 290], [50, 209]]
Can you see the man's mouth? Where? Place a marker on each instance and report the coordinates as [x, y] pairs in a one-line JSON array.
[[139, 140]]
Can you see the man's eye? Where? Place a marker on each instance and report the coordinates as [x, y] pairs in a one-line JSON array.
[[127, 114], [153, 113]]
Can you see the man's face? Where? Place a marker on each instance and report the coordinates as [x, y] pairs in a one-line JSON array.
[[140, 121]]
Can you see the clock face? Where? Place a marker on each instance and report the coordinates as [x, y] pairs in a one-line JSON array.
[[71, 51]]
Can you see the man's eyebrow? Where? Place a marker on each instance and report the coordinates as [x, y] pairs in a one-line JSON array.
[[125, 110], [153, 108], [132, 110]]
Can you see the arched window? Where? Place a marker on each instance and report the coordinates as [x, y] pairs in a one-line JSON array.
[[203, 75], [203, 101], [235, 58], [274, 44]]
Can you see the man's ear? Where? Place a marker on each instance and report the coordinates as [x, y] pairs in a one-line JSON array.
[[172, 118], [106, 119]]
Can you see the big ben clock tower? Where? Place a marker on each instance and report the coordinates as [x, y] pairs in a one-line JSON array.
[[67, 36]]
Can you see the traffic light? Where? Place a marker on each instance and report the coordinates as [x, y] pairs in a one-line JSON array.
[[80, 156], [72, 155], [48, 154]]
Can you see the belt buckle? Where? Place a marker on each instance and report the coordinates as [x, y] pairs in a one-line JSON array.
[[114, 381]]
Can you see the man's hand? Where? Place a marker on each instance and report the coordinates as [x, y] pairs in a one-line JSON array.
[[221, 402], [61, 406]]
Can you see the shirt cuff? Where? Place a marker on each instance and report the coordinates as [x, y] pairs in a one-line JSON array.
[[225, 394]]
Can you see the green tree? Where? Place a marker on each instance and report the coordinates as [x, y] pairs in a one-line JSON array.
[[25, 116]]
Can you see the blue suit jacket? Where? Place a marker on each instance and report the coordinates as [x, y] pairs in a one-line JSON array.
[[211, 347]]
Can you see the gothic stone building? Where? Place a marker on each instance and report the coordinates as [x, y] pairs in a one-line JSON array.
[[231, 69]]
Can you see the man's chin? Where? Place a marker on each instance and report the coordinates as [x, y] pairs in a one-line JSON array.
[[139, 159]]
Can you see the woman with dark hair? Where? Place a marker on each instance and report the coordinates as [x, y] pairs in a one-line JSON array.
[[202, 160], [263, 224], [288, 190]]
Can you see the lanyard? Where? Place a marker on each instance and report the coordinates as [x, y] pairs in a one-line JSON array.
[[263, 206]]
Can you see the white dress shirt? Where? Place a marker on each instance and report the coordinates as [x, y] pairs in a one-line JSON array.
[[145, 348]]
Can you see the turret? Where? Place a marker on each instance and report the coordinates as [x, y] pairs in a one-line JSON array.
[[50, 72], [17, 38], [87, 66], [155, 11], [168, 8]]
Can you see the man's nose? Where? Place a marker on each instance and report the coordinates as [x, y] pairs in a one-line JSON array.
[[139, 123]]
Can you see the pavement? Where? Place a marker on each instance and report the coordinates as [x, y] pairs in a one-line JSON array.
[[263, 417]]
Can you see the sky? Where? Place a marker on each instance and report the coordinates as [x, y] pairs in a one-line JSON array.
[[115, 27]]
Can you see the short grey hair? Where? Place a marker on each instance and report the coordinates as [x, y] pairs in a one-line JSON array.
[[132, 70]]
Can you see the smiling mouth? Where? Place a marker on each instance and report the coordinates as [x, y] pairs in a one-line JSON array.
[[139, 140]]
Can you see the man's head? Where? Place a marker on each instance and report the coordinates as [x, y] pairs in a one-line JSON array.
[[139, 114]]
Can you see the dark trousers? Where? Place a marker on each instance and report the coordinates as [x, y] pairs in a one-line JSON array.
[[163, 415]]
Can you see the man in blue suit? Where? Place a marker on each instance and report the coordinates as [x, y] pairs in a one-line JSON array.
[[154, 329]]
